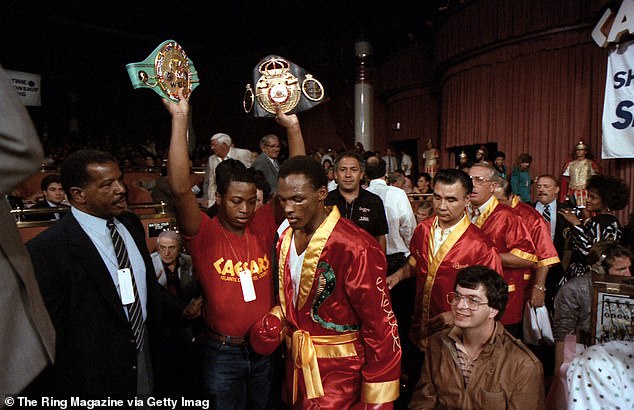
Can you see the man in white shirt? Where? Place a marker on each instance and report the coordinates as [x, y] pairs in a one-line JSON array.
[[406, 164], [398, 211], [221, 145]]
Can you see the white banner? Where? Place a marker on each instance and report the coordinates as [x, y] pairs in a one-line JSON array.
[[27, 86]]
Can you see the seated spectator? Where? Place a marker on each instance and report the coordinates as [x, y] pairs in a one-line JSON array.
[[396, 178], [408, 184], [332, 183], [573, 303], [602, 377], [15, 200], [423, 184], [178, 372], [174, 270], [477, 364], [423, 211], [161, 192], [53, 196]]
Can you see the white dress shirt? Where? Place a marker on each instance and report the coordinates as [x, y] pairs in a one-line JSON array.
[[99, 234], [401, 221], [553, 215]]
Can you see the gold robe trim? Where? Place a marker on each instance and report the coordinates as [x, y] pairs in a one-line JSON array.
[[383, 392], [313, 253], [435, 260], [306, 349]]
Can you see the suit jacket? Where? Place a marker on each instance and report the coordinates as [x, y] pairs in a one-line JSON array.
[[96, 351], [263, 163], [27, 337], [44, 217], [188, 283], [209, 185], [556, 271]]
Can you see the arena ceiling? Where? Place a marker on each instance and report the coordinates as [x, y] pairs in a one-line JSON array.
[[81, 48]]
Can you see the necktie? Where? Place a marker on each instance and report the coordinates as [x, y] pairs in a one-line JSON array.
[[546, 213], [135, 314]]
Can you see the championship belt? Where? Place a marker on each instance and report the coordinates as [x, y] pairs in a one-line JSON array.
[[277, 81], [165, 70]]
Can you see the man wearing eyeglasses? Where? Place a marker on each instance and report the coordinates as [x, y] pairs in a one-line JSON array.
[[267, 160], [504, 227], [477, 363]]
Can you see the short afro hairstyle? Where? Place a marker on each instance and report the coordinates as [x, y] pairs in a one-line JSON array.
[[231, 170], [307, 166], [614, 192]]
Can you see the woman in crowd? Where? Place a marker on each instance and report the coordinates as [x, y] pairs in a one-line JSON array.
[[606, 194], [423, 184]]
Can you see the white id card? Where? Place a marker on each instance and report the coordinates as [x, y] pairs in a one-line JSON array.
[[248, 291], [125, 286]]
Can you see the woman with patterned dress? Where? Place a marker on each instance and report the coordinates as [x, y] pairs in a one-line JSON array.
[[606, 194]]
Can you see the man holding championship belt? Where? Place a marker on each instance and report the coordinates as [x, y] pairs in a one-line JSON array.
[[232, 256]]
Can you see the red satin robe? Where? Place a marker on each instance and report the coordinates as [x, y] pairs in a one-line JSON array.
[[465, 246], [540, 234], [502, 225], [342, 291]]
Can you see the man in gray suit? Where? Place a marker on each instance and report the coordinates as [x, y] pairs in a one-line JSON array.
[[267, 161], [221, 145], [27, 336]]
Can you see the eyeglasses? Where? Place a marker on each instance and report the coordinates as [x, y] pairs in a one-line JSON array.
[[479, 180], [273, 145], [472, 302]]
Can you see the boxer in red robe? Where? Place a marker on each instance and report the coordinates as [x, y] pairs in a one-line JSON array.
[[440, 247], [534, 284], [335, 316], [504, 227]]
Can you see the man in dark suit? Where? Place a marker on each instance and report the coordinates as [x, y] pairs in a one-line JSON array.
[[99, 286], [547, 188], [27, 338], [267, 161], [53, 196]]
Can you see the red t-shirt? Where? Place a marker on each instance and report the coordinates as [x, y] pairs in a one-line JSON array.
[[219, 256]]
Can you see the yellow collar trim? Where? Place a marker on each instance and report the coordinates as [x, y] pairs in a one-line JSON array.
[[484, 215], [313, 254]]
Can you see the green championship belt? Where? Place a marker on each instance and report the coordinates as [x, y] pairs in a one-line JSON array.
[[277, 81], [165, 70]]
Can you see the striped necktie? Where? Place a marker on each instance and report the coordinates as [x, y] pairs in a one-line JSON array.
[[546, 213], [135, 314]]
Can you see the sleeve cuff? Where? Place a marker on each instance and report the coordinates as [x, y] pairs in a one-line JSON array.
[[524, 255], [548, 261], [412, 261], [383, 392]]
